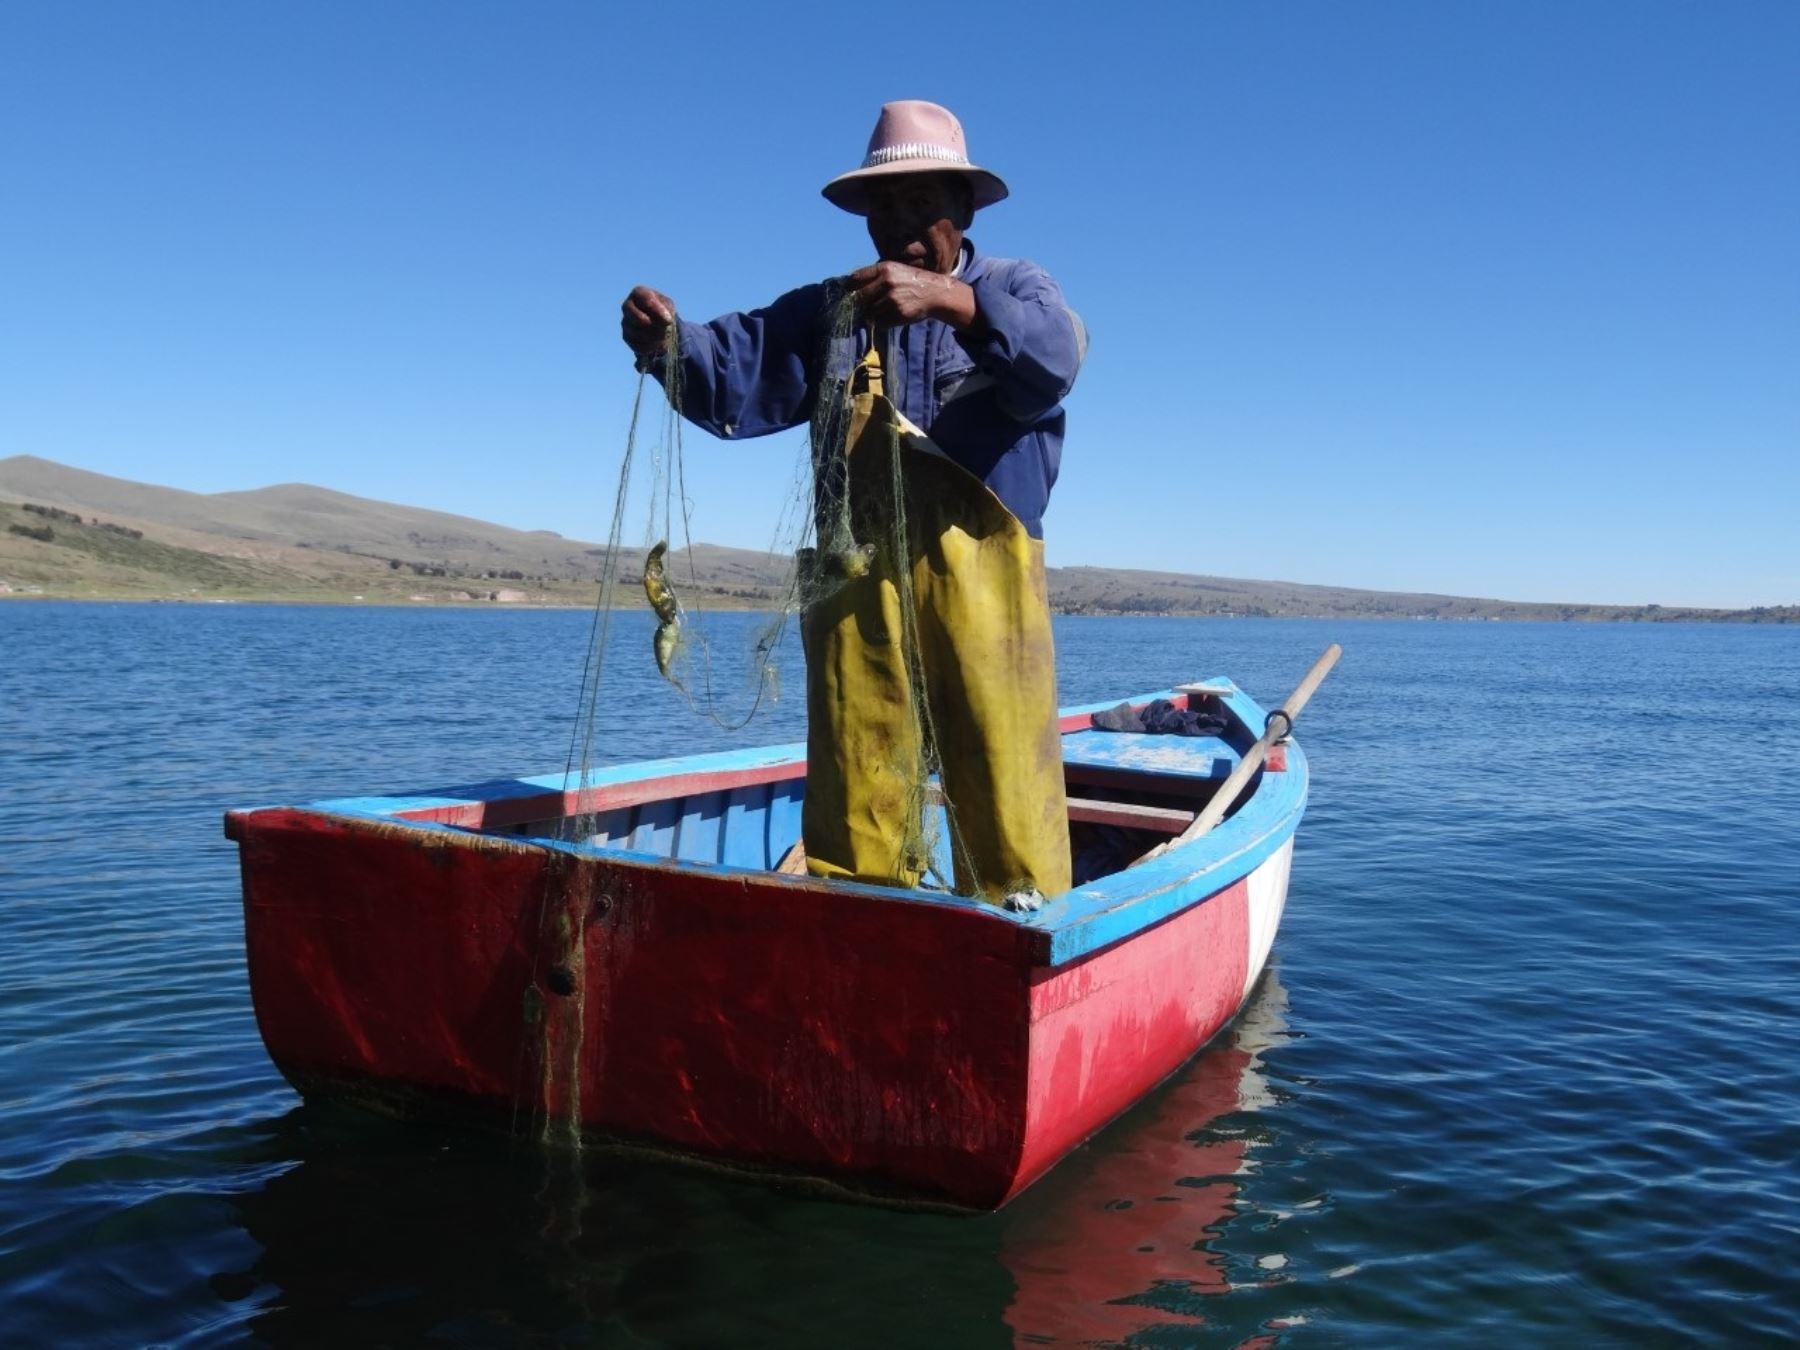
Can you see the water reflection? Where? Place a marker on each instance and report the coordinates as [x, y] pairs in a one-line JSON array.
[[389, 1232], [1121, 1237]]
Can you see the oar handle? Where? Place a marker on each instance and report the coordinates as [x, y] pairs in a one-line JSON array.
[[1279, 722], [1305, 689]]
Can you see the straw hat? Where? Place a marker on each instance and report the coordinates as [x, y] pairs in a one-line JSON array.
[[913, 136]]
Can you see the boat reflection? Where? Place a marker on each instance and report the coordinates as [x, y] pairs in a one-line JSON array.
[[1133, 1216], [389, 1232]]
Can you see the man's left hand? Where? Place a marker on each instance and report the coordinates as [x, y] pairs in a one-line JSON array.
[[891, 293]]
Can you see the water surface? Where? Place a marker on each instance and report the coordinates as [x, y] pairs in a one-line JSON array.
[[1523, 1072]]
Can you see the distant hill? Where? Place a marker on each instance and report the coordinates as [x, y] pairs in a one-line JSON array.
[[1108, 590], [68, 532], [297, 515], [300, 542]]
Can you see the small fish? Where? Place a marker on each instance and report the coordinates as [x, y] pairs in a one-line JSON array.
[[668, 636], [854, 563], [656, 585]]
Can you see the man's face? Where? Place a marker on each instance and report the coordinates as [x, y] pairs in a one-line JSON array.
[[918, 219]]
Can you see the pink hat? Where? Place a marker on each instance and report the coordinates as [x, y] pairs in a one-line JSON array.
[[913, 136]]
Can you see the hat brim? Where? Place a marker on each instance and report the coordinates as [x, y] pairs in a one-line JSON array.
[[849, 191]]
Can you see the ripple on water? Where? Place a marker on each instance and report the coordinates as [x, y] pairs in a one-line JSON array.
[[1523, 1074]]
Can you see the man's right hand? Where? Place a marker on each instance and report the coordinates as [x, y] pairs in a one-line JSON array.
[[646, 318]]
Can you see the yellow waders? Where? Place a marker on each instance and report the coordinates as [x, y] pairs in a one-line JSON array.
[[983, 640]]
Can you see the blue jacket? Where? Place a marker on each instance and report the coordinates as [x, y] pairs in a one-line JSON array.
[[991, 398]]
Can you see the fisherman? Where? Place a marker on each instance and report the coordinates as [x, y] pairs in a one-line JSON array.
[[962, 364]]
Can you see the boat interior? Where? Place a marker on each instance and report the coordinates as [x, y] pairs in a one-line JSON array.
[[1127, 792]]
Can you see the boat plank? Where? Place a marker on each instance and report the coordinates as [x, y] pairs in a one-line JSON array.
[[610, 826], [783, 819], [943, 851], [698, 828], [501, 802], [746, 842], [1133, 815], [1201, 757], [653, 830]]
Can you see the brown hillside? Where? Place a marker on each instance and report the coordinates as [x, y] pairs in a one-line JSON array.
[[297, 541]]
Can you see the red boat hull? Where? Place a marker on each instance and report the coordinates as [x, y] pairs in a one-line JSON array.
[[652, 980], [899, 1048]]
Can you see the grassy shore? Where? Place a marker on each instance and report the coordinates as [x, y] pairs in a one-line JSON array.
[[49, 552]]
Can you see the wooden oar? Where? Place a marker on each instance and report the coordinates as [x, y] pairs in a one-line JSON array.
[[1280, 722]]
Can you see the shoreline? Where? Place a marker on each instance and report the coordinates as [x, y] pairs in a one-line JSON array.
[[1736, 618]]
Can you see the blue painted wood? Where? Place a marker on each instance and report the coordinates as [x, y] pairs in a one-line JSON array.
[[943, 855], [653, 831], [745, 840], [783, 818], [1248, 720], [1195, 757], [1119, 906], [611, 825], [698, 829], [637, 831], [504, 789], [763, 757]]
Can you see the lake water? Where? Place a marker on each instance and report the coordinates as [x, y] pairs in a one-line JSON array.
[[1523, 1072]]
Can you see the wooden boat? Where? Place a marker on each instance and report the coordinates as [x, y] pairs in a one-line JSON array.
[[658, 984]]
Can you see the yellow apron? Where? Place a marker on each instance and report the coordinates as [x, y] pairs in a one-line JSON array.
[[981, 630]]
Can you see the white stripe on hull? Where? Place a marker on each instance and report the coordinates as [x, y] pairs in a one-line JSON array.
[[1268, 886]]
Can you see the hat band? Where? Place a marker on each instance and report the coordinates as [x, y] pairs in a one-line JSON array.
[[913, 150]]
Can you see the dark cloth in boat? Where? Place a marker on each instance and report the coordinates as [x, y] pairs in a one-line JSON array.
[[1103, 850], [1160, 718]]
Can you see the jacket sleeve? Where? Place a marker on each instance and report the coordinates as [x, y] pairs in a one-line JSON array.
[[1026, 337], [750, 374]]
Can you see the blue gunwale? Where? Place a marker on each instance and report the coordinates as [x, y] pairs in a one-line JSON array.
[[1067, 928]]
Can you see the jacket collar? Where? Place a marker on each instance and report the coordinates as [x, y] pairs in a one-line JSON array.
[[972, 264]]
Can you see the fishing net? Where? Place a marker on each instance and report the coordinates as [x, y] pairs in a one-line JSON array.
[[818, 545]]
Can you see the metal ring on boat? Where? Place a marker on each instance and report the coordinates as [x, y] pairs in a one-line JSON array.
[[1287, 723]]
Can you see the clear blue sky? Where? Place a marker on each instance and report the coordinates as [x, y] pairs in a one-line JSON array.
[[1497, 299]]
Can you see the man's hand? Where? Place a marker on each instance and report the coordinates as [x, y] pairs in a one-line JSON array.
[[645, 319], [891, 293]]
